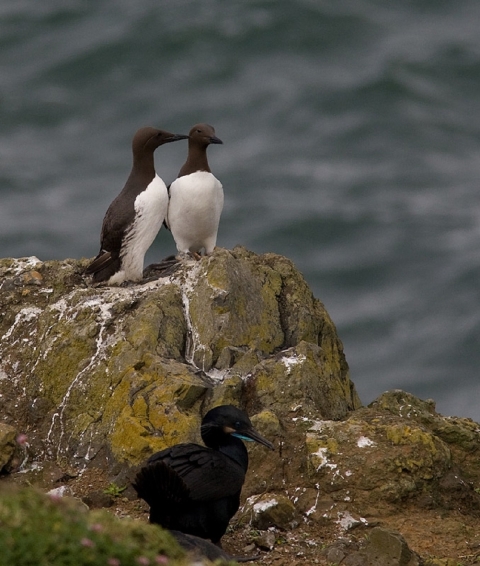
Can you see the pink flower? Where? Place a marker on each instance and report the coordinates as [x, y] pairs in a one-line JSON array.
[[22, 439], [143, 560], [113, 562], [161, 559], [96, 528], [54, 497], [87, 542]]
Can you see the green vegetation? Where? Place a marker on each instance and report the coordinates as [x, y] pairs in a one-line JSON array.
[[114, 490], [38, 530]]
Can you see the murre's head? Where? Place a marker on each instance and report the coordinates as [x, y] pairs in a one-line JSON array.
[[202, 135], [148, 139]]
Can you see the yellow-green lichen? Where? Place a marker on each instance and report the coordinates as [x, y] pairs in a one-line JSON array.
[[122, 367], [404, 434]]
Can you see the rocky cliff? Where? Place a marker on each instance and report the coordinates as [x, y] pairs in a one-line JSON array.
[[101, 377], [116, 373]]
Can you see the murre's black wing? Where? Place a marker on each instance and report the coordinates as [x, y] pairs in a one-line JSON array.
[[165, 220], [116, 223]]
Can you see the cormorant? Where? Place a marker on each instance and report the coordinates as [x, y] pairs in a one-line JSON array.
[[196, 490]]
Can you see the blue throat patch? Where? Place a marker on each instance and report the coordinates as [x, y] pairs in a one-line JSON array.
[[237, 435]]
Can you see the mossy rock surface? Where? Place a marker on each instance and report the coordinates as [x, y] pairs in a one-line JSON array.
[[7, 444], [101, 377], [394, 451], [111, 374]]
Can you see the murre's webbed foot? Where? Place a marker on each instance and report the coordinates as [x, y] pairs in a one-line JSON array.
[[181, 256], [166, 267], [127, 283]]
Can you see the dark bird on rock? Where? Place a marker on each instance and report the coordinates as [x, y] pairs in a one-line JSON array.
[[196, 490], [135, 216], [196, 197]]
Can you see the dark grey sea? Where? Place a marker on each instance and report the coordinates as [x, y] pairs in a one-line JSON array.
[[351, 134]]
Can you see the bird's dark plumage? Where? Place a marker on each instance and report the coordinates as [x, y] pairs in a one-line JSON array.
[[132, 222], [196, 489]]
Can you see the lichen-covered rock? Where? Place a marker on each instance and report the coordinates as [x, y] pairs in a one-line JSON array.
[[382, 547], [7, 444], [265, 540], [386, 458], [460, 432], [462, 435], [388, 548], [377, 456], [268, 511], [290, 380], [104, 376], [111, 374]]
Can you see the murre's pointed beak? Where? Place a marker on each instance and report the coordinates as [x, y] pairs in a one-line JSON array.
[[214, 139], [176, 137], [250, 434]]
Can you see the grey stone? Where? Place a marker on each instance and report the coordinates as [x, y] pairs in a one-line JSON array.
[[274, 511], [334, 554], [266, 541], [388, 548]]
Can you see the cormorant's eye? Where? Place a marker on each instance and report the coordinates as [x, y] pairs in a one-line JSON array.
[[238, 425]]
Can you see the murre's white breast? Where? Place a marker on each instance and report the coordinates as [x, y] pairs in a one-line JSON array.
[[196, 203], [150, 211]]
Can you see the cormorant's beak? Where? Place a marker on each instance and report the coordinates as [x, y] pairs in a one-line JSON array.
[[176, 137], [251, 435], [214, 139]]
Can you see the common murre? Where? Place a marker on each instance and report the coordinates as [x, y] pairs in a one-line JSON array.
[[135, 216], [196, 197]]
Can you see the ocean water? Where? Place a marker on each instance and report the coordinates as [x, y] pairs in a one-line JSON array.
[[351, 134]]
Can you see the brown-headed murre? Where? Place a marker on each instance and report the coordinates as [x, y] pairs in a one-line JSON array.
[[135, 216], [196, 197]]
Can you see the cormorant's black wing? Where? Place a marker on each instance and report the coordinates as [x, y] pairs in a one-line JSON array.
[[160, 486], [207, 474]]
